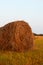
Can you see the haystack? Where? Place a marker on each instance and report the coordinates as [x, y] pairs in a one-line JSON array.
[[16, 36]]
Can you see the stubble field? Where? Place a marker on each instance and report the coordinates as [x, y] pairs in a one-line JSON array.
[[32, 57]]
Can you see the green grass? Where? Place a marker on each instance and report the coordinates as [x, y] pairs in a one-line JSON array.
[[33, 57]]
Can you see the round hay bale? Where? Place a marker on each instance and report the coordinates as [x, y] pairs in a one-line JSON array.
[[16, 36]]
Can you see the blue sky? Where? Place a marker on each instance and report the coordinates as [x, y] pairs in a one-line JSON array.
[[28, 10]]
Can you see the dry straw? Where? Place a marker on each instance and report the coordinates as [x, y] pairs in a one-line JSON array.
[[16, 36]]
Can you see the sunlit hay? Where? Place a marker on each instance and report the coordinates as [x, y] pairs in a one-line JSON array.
[[16, 36]]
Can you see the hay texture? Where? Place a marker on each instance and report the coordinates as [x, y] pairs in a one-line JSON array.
[[16, 36]]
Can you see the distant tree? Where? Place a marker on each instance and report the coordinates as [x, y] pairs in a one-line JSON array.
[[35, 34], [38, 34]]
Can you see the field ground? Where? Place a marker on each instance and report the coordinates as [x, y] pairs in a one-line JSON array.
[[33, 57]]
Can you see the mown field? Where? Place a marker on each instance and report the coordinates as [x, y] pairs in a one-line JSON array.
[[33, 57]]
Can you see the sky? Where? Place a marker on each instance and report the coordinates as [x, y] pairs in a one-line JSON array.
[[29, 10]]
